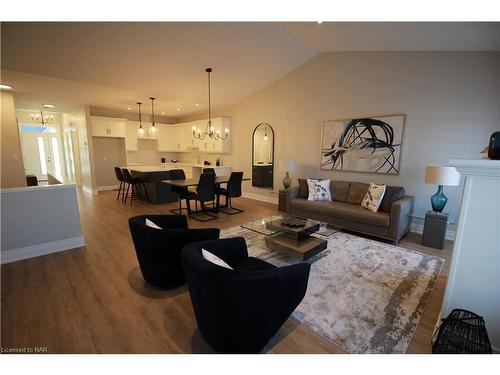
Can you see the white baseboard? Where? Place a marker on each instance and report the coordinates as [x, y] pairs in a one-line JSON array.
[[107, 187], [417, 226], [88, 190], [259, 197], [14, 255]]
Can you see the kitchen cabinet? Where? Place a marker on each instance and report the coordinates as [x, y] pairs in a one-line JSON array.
[[107, 127], [131, 143], [167, 141]]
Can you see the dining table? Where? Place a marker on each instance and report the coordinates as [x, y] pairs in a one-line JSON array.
[[187, 182]]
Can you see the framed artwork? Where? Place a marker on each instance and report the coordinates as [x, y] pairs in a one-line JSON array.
[[369, 144]]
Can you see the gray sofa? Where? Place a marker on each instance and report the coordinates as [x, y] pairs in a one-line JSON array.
[[391, 221]]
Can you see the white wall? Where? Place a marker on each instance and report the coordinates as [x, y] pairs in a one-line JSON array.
[[450, 100], [12, 174], [39, 220]]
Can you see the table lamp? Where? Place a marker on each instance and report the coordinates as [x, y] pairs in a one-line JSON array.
[[441, 176], [287, 166]]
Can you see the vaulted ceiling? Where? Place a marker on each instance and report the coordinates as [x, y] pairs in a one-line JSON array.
[[114, 65]]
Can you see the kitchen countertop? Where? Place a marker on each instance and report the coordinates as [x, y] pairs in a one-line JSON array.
[[163, 166]]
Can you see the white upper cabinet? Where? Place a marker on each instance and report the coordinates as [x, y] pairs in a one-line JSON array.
[[131, 143], [166, 138], [107, 127]]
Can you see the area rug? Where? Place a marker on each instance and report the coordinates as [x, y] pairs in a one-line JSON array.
[[365, 296]]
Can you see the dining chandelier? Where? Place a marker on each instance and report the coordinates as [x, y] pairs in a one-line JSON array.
[[210, 131]]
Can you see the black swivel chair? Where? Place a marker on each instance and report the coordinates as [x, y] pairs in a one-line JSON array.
[[137, 185], [182, 192], [119, 177], [240, 310], [159, 250], [205, 192], [232, 190]]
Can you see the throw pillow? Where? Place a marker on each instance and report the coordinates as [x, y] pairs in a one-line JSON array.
[[392, 194], [212, 258], [319, 190], [373, 197], [149, 223], [303, 188]]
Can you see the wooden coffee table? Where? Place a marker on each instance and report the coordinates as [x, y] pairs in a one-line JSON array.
[[295, 241]]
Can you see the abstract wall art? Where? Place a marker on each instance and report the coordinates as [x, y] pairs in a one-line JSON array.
[[365, 144]]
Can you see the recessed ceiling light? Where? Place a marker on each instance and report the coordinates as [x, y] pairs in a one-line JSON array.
[[320, 22], [197, 104], [129, 108], [48, 106], [163, 113], [5, 87], [178, 109]]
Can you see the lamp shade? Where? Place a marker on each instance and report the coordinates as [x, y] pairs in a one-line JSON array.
[[287, 165], [447, 176]]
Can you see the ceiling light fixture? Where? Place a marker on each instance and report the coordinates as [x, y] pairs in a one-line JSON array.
[[319, 22], [140, 131], [178, 109], [129, 108], [197, 104], [153, 127], [48, 106], [41, 118], [5, 87], [214, 134]]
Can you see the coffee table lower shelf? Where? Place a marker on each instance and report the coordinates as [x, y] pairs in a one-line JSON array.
[[302, 248]]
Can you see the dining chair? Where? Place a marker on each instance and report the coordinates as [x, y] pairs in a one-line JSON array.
[[233, 190], [205, 192], [208, 170], [181, 191], [119, 177]]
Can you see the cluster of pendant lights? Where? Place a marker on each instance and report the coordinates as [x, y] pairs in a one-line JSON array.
[[152, 130], [197, 132]]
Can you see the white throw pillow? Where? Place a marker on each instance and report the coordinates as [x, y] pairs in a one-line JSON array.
[[214, 259], [319, 190], [373, 197], [149, 223]]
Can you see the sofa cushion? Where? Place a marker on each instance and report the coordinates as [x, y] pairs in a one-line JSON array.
[[357, 191], [339, 190], [342, 210], [319, 190], [303, 188], [392, 194]]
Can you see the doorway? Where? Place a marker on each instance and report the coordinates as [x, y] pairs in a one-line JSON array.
[[42, 151]]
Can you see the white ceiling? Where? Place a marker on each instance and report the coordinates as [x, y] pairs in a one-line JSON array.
[[114, 65]]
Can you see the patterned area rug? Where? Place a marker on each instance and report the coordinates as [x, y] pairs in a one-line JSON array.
[[365, 296]]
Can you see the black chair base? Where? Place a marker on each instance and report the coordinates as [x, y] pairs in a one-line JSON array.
[[196, 216], [229, 209]]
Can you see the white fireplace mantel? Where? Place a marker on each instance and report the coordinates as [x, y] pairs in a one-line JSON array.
[[474, 280]]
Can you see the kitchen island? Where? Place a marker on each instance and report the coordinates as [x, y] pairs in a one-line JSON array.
[[190, 170]]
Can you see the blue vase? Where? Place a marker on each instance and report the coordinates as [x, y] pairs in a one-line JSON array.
[[287, 181], [438, 200]]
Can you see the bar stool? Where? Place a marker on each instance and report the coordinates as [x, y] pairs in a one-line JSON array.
[[119, 177], [136, 184]]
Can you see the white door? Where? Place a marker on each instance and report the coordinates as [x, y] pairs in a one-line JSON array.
[[41, 154]]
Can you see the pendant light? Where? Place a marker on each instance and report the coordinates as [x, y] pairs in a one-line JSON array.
[[265, 133], [140, 131], [197, 133], [153, 127]]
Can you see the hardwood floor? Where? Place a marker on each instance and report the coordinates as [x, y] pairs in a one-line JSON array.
[[94, 300]]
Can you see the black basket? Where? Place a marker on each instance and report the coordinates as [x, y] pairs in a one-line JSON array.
[[460, 333]]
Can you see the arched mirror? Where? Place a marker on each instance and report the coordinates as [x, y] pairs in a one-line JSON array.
[[263, 156]]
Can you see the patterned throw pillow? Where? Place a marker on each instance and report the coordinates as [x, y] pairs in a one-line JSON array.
[[373, 197], [319, 190]]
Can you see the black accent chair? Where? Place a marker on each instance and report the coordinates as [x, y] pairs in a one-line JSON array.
[[182, 192], [159, 250], [137, 185], [205, 192], [233, 190], [240, 310], [119, 177]]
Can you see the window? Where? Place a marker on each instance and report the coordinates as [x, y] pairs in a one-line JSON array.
[[56, 155]]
